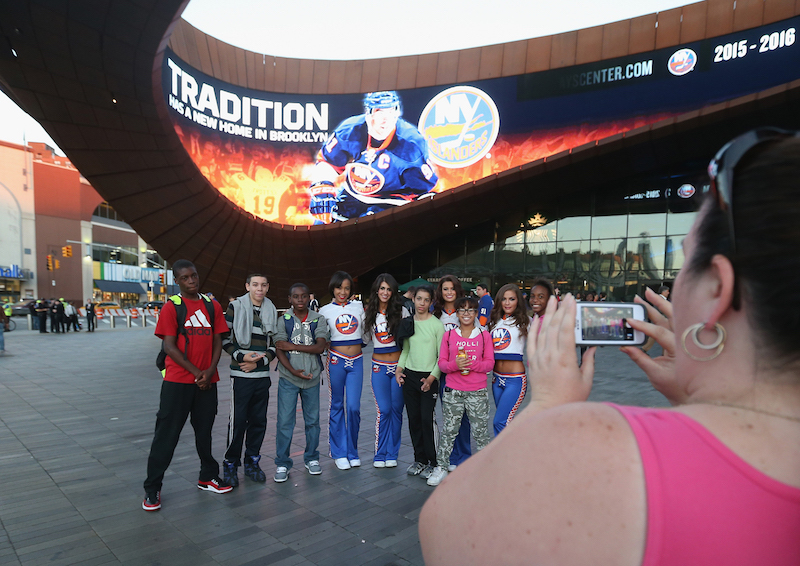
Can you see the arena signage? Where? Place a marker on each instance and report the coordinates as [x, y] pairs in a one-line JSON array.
[[313, 159]]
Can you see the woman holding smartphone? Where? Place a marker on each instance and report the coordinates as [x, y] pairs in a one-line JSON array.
[[345, 319], [509, 324], [448, 292], [383, 315], [417, 372], [713, 479]]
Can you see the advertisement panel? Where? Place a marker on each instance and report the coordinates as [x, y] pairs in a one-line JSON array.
[[314, 159]]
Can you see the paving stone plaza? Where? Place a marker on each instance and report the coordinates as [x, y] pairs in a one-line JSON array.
[[77, 413]]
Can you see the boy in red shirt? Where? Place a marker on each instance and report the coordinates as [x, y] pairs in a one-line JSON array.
[[189, 386]]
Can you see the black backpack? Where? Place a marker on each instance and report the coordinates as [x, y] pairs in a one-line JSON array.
[[180, 315]]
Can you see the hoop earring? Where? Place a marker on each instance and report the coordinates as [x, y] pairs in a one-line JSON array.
[[718, 344]]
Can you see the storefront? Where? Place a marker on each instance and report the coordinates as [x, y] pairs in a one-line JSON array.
[[12, 284]]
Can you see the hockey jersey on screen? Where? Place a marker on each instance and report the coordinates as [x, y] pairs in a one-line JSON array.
[[377, 177], [346, 322], [509, 344]]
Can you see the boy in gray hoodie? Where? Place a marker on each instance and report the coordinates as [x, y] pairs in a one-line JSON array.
[[301, 337]]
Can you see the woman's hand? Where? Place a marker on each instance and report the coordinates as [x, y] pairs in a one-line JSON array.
[[399, 376], [661, 370], [426, 383], [555, 377]]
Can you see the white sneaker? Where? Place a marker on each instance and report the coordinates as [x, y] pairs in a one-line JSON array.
[[281, 474], [342, 463], [391, 463], [437, 475], [451, 468], [378, 464], [355, 462]]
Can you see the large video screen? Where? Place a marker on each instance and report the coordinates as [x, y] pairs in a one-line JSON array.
[[315, 159]]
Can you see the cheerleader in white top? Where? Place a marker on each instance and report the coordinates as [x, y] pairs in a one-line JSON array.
[[509, 324], [448, 292], [384, 313], [345, 370]]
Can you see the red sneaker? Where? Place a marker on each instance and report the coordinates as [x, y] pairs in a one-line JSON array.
[[214, 484], [152, 501]]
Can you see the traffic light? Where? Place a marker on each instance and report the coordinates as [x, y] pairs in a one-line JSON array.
[[58, 264], [49, 263], [66, 251], [162, 278]]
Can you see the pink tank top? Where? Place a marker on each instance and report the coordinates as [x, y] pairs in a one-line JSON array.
[[705, 505]]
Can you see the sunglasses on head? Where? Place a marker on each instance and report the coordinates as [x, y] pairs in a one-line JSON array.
[[721, 168]]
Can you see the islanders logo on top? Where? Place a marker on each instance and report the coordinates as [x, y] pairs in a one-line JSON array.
[[346, 323], [501, 338], [682, 62], [460, 125]]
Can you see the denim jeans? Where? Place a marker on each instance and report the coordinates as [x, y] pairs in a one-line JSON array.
[[287, 411]]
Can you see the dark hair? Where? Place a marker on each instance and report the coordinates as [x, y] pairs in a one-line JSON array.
[[663, 288], [249, 277], [466, 302], [180, 265], [766, 261], [394, 310], [337, 279], [299, 285], [411, 290], [438, 298], [425, 289], [520, 314], [542, 282], [483, 286]]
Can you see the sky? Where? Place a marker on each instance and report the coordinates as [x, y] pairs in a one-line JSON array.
[[379, 29]]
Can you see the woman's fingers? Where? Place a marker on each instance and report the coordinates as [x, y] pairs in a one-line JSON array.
[[587, 364], [663, 335]]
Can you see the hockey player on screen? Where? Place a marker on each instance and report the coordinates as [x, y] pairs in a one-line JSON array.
[[384, 160]]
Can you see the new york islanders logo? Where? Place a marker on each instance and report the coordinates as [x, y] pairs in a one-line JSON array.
[[686, 191], [382, 333], [363, 179], [375, 368], [501, 338], [460, 125], [682, 61], [346, 323]]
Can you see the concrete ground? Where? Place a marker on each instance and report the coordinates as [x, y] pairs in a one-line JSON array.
[[77, 413]]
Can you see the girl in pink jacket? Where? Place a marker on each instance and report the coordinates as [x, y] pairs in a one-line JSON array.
[[466, 355]]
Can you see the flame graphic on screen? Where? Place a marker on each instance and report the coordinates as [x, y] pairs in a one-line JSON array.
[[271, 181]]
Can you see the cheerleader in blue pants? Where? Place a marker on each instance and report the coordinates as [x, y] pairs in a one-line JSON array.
[[383, 315], [345, 370], [509, 324]]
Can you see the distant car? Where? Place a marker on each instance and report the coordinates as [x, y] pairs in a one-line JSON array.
[[20, 308], [151, 305], [107, 305]]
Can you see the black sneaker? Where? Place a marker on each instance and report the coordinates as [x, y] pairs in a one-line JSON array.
[[230, 473], [152, 501], [214, 484], [252, 469]]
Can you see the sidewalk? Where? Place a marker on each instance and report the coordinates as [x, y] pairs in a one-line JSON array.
[[77, 412]]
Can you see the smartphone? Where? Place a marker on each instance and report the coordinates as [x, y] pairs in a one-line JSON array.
[[605, 324]]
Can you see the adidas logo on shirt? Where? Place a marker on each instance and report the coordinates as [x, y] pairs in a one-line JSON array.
[[198, 324]]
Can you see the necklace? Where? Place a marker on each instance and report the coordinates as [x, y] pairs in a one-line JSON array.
[[753, 409]]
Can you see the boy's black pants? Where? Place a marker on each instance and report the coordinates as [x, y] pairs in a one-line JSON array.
[[178, 401]]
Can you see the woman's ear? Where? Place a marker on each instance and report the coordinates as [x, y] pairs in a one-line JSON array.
[[722, 282]]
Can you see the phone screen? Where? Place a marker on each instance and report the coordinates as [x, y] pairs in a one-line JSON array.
[[606, 323]]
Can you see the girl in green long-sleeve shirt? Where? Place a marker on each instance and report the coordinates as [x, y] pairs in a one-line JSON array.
[[417, 372]]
